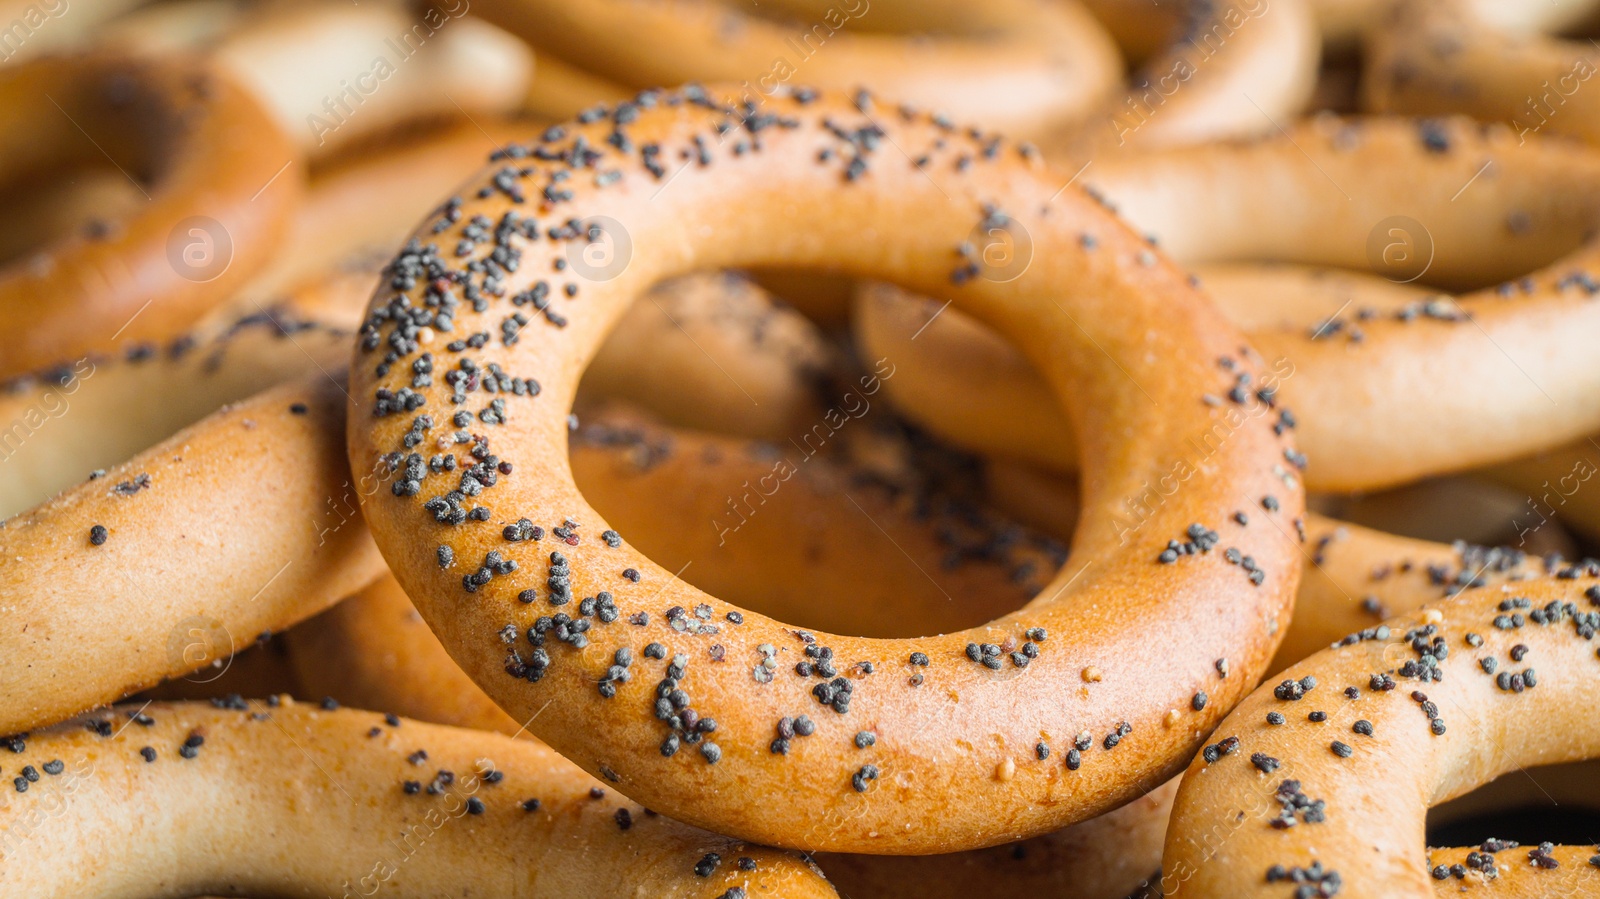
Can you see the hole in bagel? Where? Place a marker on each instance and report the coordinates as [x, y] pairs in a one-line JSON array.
[[94, 156], [1558, 804], [72, 202], [837, 515]]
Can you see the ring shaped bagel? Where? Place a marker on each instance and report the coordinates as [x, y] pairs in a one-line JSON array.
[[1227, 69], [968, 386], [818, 159], [333, 75], [1499, 62], [69, 420], [1521, 349], [205, 155], [1025, 67], [412, 809], [1423, 709], [960, 566], [373, 650]]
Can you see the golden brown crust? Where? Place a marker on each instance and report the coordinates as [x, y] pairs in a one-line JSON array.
[[413, 809], [60, 424], [374, 651], [1461, 712], [1519, 349], [1023, 66], [333, 75], [180, 555], [218, 200], [1355, 577], [1100, 683], [1207, 71], [912, 557], [1102, 858], [1498, 62]]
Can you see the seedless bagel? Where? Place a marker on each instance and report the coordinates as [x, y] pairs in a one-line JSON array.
[[410, 808], [1499, 62], [333, 75], [1026, 67], [829, 197], [1516, 348], [1225, 69], [240, 524], [209, 159], [1424, 709]]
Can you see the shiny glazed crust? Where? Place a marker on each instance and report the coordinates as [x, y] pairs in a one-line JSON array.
[[1097, 687], [272, 797], [210, 159], [1026, 67], [1424, 708]]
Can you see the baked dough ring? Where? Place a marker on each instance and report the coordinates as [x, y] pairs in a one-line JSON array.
[[238, 779], [208, 156], [1499, 62], [953, 566], [66, 421], [971, 388], [1523, 353], [1025, 67], [1206, 71], [1357, 790], [374, 651], [209, 538], [1098, 680], [334, 75]]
